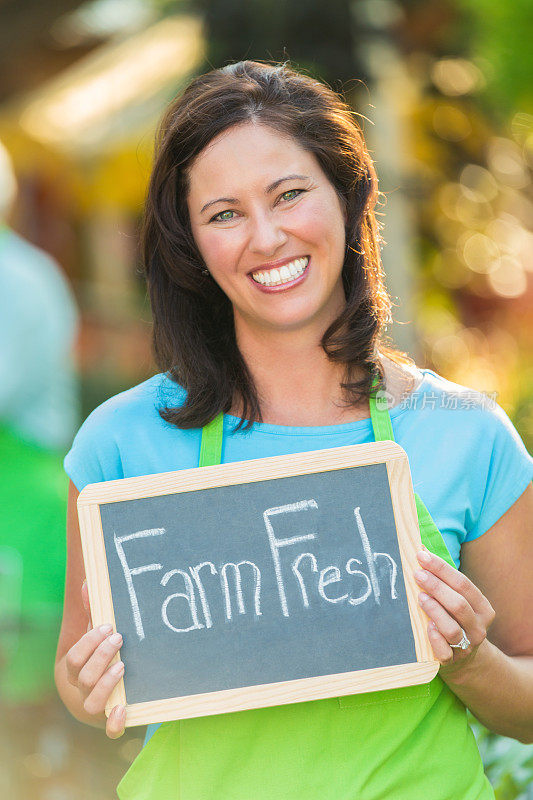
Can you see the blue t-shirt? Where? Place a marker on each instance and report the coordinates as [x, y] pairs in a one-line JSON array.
[[468, 463]]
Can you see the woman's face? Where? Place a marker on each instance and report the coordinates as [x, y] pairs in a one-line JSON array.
[[270, 228]]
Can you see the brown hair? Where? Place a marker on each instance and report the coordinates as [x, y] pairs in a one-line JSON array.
[[193, 329]]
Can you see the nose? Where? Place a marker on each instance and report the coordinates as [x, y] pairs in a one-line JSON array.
[[266, 235]]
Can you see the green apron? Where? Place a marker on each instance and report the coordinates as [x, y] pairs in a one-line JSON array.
[[412, 743], [33, 490]]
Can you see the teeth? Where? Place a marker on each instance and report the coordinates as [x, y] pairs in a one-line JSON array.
[[286, 273]]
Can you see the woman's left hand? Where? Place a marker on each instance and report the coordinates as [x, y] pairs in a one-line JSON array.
[[452, 601]]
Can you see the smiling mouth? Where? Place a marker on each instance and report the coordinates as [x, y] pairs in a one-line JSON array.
[[281, 275]]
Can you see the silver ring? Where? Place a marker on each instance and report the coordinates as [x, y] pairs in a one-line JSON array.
[[464, 644]]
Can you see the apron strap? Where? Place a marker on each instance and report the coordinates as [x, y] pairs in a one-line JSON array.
[[430, 534], [381, 421], [211, 444]]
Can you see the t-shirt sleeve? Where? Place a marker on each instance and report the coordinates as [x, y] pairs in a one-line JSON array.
[[502, 476], [94, 455]]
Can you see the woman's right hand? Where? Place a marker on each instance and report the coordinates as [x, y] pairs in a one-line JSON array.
[[88, 670]]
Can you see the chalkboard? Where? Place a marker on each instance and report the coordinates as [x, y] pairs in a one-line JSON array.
[[259, 582]]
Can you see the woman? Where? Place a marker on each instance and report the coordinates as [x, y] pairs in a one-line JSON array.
[[261, 251]]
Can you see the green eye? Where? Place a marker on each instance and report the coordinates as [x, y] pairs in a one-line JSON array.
[[293, 192], [221, 218]]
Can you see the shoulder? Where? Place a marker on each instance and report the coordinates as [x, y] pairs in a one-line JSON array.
[[422, 389], [127, 422], [454, 400], [450, 408], [138, 404], [463, 426]]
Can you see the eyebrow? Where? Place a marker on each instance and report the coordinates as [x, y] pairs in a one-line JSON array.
[[269, 189]]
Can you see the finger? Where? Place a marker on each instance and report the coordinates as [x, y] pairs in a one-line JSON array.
[[446, 625], [85, 598], [116, 722], [441, 648], [86, 605], [79, 653], [96, 701], [457, 580], [98, 663], [455, 604]]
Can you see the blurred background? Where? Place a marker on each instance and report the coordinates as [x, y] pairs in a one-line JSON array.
[[444, 90]]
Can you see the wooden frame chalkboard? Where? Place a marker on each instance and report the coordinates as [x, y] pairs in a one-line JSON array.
[[97, 498]]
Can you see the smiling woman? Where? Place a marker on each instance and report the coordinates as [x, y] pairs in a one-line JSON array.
[[262, 257]]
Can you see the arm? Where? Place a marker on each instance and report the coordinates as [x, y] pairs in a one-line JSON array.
[[494, 676], [83, 676]]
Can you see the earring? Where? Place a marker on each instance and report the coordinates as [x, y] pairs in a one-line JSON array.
[[205, 272]]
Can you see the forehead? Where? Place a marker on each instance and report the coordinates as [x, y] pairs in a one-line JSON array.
[[248, 154]]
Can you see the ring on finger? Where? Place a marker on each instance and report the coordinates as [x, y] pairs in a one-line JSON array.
[[464, 644]]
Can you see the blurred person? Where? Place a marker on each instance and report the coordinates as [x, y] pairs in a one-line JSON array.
[[262, 255], [38, 413]]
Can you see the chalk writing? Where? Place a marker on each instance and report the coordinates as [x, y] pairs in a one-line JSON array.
[[188, 595], [276, 544], [238, 584], [190, 607], [130, 572]]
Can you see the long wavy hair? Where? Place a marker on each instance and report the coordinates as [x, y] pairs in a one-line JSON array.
[[193, 326]]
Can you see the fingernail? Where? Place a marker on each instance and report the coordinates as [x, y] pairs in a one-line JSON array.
[[424, 556], [116, 638], [420, 575], [120, 711], [117, 668], [105, 629], [423, 597]]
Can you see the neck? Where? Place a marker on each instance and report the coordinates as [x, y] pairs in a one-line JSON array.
[[296, 382]]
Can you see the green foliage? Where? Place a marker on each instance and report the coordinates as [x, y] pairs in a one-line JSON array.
[[501, 35], [508, 763]]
